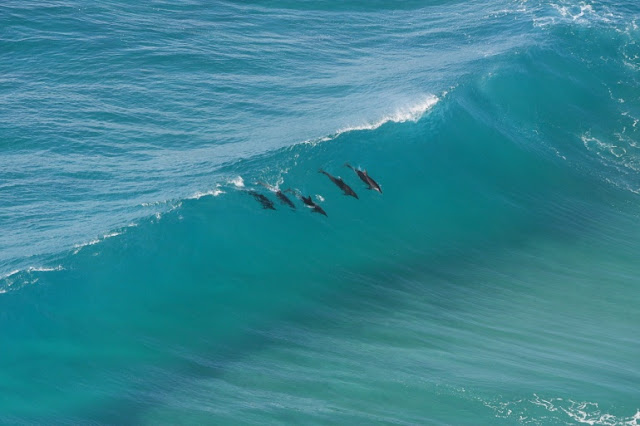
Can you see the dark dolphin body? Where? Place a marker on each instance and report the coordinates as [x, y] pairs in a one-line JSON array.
[[340, 183], [283, 198], [307, 201], [314, 207], [266, 203], [364, 176]]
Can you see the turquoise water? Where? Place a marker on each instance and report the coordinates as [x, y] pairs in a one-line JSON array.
[[494, 281]]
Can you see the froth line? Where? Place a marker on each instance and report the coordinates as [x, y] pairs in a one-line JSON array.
[[401, 115]]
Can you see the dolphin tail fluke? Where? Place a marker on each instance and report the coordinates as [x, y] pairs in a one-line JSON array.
[[349, 166]]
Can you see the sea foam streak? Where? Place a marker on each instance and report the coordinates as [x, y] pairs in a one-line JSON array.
[[95, 241], [29, 270], [212, 192], [237, 182], [44, 269], [578, 411], [411, 113], [583, 14]]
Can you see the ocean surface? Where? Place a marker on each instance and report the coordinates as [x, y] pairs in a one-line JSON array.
[[495, 280]]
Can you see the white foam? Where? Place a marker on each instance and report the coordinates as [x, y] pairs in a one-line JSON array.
[[548, 404], [271, 187], [159, 203], [212, 192], [90, 243], [79, 247], [10, 274], [612, 96], [572, 13], [410, 113], [237, 181], [609, 151], [584, 412], [112, 234], [33, 269], [153, 203], [582, 13], [577, 411], [44, 269], [599, 147], [635, 120], [320, 198]]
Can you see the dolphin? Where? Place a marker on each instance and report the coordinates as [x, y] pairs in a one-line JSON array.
[[283, 198], [364, 176], [266, 203], [314, 207], [307, 202], [340, 183]]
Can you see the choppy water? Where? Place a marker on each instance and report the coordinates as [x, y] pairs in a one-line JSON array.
[[494, 281]]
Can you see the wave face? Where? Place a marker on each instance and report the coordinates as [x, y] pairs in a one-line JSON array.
[[494, 281]]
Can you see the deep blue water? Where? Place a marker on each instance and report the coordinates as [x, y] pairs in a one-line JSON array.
[[495, 280]]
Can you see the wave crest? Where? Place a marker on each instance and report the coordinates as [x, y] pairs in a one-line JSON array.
[[411, 113]]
